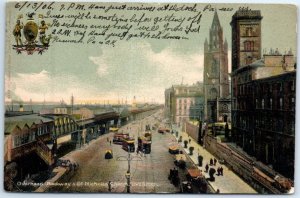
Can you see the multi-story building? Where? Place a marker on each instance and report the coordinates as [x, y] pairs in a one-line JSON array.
[[63, 110], [263, 96], [169, 95], [184, 102], [216, 78]]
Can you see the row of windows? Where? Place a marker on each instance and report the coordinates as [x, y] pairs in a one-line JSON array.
[[43, 130], [191, 112], [190, 107], [65, 128], [62, 121], [25, 138], [275, 124], [264, 88], [267, 104]]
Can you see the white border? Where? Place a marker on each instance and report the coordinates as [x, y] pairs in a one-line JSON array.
[[48, 195]]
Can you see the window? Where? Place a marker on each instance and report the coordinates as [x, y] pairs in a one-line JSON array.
[[292, 85], [262, 103], [249, 45], [279, 87], [249, 31], [292, 103], [214, 68], [280, 103]]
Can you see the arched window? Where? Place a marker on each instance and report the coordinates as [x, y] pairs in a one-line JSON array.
[[213, 93], [214, 67], [248, 45]]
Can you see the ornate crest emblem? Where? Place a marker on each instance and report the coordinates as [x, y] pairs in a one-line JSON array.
[[31, 30]]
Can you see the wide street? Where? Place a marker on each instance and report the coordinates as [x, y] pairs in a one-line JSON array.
[[149, 173]]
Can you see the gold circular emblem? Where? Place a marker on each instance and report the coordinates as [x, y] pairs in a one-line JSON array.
[[30, 31]]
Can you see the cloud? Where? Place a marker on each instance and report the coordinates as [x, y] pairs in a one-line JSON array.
[[144, 72], [102, 66], [174, 66], [44, 85]]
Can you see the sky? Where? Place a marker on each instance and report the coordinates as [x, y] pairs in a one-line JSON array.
[[143, 68]]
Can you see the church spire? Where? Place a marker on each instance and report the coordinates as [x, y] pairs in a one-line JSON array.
[[216, 21], [225, 45], [205, 45], [216, 34]]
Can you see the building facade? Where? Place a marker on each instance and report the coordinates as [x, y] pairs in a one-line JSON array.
[[216, 78], [263, 96], [184, 102]]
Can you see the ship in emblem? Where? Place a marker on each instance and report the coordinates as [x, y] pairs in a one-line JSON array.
[[31, 30]]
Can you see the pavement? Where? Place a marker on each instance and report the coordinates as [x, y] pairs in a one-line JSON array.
[[229, 182]]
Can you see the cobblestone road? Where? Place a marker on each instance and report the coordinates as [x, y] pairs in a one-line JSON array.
[[148, 174]]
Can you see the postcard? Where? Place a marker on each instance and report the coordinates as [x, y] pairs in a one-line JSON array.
[[127, 97]]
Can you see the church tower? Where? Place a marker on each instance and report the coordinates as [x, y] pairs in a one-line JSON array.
[[246, 38], [216, 83]]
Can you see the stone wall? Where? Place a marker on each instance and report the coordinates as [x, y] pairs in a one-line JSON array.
[[192, 130]]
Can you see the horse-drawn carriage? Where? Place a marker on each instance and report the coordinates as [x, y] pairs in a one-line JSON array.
[[180, 161], [174, 149], [197, 179], [173, 177]]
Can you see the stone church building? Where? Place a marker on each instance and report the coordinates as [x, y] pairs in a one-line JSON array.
[[216, 77]]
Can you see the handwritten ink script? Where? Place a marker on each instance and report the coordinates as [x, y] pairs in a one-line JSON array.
[[107, 24]]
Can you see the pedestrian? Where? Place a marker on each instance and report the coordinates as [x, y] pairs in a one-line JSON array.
[[211, 162], [206, 168], [215, 161], [137, 151], [218, 171], [109, 186], [107, 139], [218, 191], [190, 140], [221, 170], [110, 142]]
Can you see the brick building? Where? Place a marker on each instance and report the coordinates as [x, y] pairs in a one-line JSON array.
[[263, 96], [184, 102]]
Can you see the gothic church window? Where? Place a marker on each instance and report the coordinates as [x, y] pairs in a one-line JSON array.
[[214, 68]]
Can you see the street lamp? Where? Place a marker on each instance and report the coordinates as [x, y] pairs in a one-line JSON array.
[[128, 159], [200, 135], [127, 176]]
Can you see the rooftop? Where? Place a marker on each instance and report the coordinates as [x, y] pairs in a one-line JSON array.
[[21, 121]]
